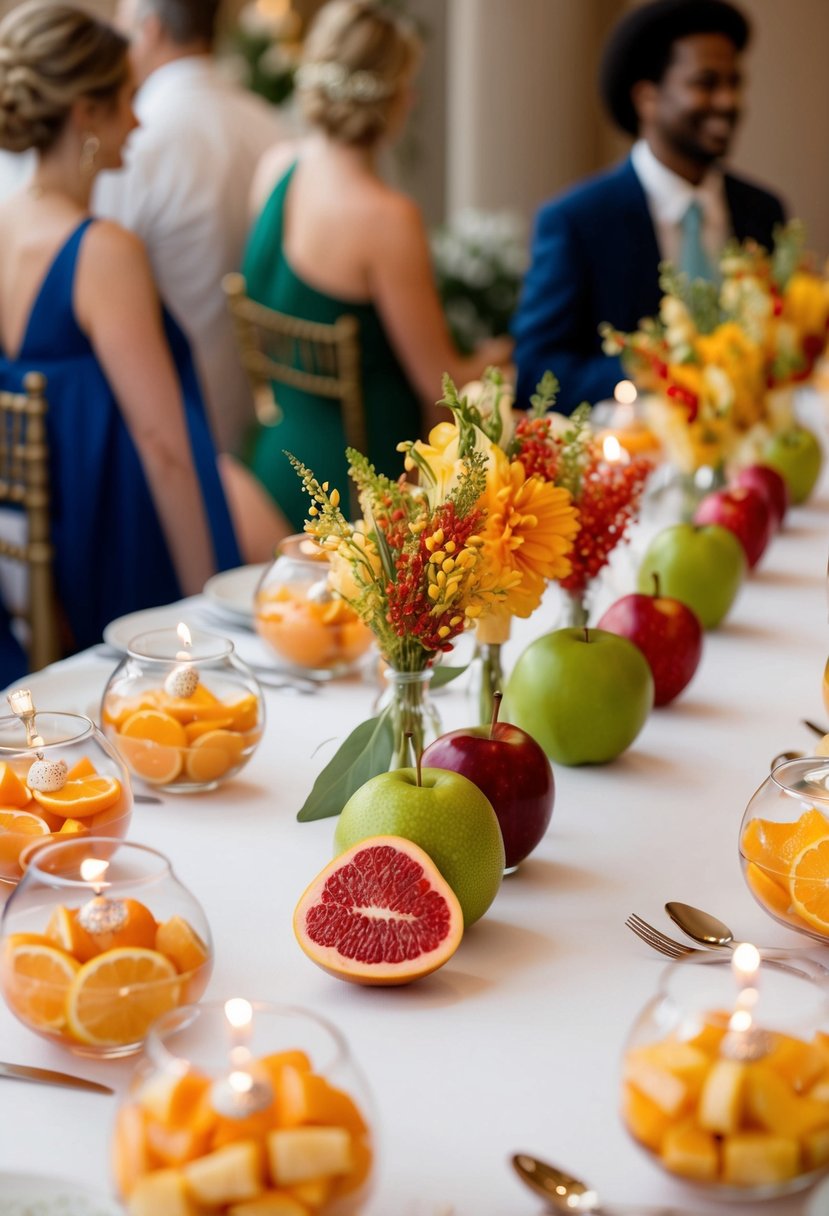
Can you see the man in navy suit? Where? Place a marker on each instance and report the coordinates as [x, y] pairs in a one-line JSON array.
[[670, 77]]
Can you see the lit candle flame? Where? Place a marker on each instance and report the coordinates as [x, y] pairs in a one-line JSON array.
[[239, 1012], [240, 1082], [183, 634], [625, 392], [740, 1020], [746, 962], [93, 869], [612, 449]]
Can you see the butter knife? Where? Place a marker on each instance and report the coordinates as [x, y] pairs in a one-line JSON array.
[[47, 1076]]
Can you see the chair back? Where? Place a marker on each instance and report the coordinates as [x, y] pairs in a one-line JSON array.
[[307, 355], [24, 482]]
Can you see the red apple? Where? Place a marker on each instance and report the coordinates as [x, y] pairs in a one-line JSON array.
[[667, 632], [771, 485], [512, 770], [744, 512]]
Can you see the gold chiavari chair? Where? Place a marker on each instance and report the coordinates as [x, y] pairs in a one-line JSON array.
[[24, 482], [315, 358]]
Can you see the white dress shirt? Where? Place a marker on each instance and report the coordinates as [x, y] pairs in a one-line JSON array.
[[669, 196], [185, 191]]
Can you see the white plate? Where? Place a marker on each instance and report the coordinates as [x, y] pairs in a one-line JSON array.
[[29, 1195], [818, 1204], [120, 632], [231, 593]]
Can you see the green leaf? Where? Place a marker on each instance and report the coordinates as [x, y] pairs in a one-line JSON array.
[[445, 675], [366, 752]]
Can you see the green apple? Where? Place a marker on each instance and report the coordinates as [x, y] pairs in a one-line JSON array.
[[797, 456], [447, 815], [583, 693], [703, 566]]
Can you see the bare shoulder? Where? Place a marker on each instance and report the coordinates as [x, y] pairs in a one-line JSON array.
[[109, 249], [273, 164], [393, 214]]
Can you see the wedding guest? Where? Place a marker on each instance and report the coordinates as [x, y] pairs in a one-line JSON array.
[[186, 185], [671, 78], [334, 238], [139, 515]]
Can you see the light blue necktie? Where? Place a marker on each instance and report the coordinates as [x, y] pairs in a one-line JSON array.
[[692, 256]]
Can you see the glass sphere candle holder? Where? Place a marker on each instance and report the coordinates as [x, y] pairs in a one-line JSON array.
[[184, 714], [99, 939], [300, 618], [725, 1082], [66, 783], [245, 1103], [784, 845]]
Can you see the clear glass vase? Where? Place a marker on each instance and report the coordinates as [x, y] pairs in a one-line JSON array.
[[412, 713], [487, 665]]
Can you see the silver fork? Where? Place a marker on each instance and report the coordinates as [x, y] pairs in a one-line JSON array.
[[658, 940]]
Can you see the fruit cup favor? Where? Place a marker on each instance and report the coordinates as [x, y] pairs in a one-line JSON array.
[[725, 1076], [784, 845], [299, 617], [99, 939], [59, 780], [183, 710], [244, 1109]]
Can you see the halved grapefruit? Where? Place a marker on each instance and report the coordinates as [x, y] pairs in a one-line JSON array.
[[380, 913]]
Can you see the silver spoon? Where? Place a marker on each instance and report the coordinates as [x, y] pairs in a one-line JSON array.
[[564, 1193], [700, 926]]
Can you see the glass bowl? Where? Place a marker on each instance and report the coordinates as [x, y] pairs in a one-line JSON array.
[[783, 860], [95, 798], [310, 629], [300, 1128], [98, 940], [742, 1113], [184, 717]]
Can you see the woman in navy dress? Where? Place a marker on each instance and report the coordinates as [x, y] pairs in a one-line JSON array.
[[139, 513]]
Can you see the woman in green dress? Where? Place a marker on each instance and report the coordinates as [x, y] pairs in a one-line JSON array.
[[332, 239]]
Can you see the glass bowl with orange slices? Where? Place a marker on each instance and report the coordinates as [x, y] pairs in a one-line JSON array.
[[244, 1108], [184, 714], [311, 629], [99, 939], [725, 1083], [70, 783], [784, 845]]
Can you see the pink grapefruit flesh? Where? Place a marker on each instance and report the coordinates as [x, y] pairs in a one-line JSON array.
[[380, 913]]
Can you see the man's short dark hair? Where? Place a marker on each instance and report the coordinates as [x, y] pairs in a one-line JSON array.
[[186, 20], [641, 45]]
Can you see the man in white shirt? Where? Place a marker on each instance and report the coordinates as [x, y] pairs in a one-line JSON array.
[[186, 185], [670, 77]]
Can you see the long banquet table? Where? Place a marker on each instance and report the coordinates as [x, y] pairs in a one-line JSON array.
[[515, 1044]]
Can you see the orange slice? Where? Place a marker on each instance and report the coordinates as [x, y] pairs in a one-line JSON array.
[[138, 930], [16, 830], [83, 768], [214, 754], [155, 725], [13, 791], [72, 827], [774, 846], [63, 929], [116, 710], [810, 884], [179, 941], [115, 997], [244, 713], [36, 980], [194, 729], [153, 762], [82, 797], [771, 893]]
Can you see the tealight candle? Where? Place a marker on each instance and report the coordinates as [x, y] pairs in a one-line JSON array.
[[620, 419], [745, 1041], [245, 1089], [183, 681], [100, 914]]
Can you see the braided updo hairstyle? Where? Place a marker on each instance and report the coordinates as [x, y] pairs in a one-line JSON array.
[[50, 56], [365, 44]]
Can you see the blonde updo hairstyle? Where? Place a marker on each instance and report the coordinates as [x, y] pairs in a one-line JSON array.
[[51, 55], [356, 60]]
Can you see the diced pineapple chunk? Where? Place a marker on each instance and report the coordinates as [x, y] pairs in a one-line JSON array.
[[301, 1154], [314, 1194], [229, 1174], [757, 1159], [665, 1089], [163, 1193], [721, 1101], [771, 1104], [797, 1062], [270, 1203], [644, 1118], [130, 1153], [173, 1098], [709, 1033], [816, 1149], [175, 1146], [688, 1150]]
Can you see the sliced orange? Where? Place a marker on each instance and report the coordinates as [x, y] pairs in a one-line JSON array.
[[179, 941], [115, 997], [194, 729], [82, 797], [63, 929], [244, 713], [13, 791], [73, 827], [156, 764], [155, 725], [769, 891], [138, 930], [809, 881], [83, 768], [36, 980], [16, 831], [116, 710], [214, 754], [774, 846]]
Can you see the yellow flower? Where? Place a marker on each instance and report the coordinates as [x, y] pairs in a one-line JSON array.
[[529, 530], [441, 455]]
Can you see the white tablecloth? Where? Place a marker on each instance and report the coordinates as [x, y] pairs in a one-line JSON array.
[[515, 1044]]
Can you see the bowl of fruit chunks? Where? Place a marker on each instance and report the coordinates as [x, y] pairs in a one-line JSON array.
[[726, 1084], [243, 1109], [784, 845], [97, 941], [183, 710]]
